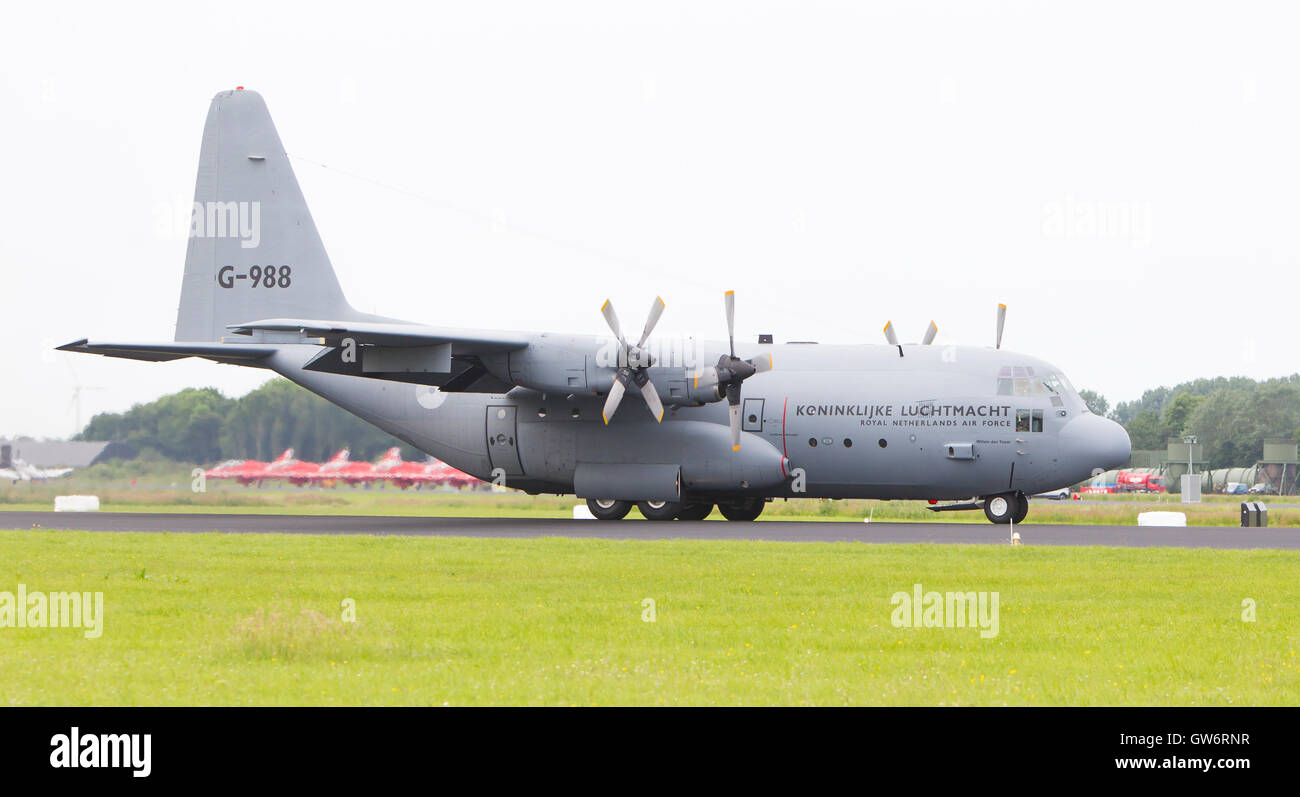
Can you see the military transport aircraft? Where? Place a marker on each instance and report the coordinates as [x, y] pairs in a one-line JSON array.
[[733, 424]]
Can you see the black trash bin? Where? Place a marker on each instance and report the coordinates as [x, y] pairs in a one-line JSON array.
[[1254, 514]]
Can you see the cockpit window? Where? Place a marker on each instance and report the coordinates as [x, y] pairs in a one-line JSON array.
[[1021, 381]]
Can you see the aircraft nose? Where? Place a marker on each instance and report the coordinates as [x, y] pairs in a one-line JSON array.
[[1091, 442]]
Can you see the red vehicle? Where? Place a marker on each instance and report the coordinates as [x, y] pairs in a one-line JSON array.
[[246, 471], [1128, 481]]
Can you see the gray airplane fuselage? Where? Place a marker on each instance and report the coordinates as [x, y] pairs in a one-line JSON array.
[[858, 421]]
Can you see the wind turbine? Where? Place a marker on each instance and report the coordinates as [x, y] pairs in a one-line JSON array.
[[77, 390]]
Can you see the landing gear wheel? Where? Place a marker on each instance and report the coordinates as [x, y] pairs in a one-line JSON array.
[[695, 511], [744, 509], [608, 508], [1003, 507], [1023, 511], [659, 510]]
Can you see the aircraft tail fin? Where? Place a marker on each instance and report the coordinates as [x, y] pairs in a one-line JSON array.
[[340, 457], [287, 456], [254, 251]]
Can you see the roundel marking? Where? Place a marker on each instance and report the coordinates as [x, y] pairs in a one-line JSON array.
[[429, 396]]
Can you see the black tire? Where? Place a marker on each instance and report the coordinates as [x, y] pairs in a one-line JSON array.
[[1001, 508], [659, 510], [695, 511], [1023, 511], [743, 510], [608, 509]]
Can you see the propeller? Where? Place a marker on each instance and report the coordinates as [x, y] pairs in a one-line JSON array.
[[633, 363], [930, 332], [1002, 320], [731, 371]]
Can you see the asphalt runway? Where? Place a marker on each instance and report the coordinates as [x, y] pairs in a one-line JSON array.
[[782, 531]]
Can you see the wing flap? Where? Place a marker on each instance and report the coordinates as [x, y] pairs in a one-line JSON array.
[[463, 341]]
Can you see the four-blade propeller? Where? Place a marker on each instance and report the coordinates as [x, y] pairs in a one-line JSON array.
[[731, 371], [633, 362]]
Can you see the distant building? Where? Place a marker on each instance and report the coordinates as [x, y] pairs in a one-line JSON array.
[[62, 453]]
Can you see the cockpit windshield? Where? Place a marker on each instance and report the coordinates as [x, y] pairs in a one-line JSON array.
[[1021, 380]]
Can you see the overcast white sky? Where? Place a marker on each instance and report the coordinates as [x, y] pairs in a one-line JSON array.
[[1125, 176]]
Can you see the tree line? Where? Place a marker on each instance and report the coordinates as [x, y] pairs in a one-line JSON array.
[[202, 425], [1230, 416]]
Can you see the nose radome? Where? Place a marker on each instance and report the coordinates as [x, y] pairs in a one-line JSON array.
[[1090, 442]]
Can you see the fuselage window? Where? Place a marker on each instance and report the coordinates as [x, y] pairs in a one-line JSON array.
[[1022, 420], [1037, 424]]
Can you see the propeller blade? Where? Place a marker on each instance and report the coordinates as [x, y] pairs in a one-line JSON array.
[[612, 401], [1002, 320], [889, 333], [929, 334], [656, 310], [706, 376], [611, 318], [762, 363], [735, 426], [652, 400], [731, 320]]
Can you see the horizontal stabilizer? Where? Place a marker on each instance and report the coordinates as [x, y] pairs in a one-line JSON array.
[[235, 354]]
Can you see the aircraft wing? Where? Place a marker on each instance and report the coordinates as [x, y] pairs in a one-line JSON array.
[[50, 473], [230, 353], [464, 342]]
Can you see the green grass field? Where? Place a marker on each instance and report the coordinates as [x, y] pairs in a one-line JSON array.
[[252, 619]]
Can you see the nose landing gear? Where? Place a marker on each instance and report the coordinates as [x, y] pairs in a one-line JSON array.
[[1006, 507]]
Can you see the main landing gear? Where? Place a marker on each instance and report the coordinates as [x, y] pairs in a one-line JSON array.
[[740, 509], [1006, 508]]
